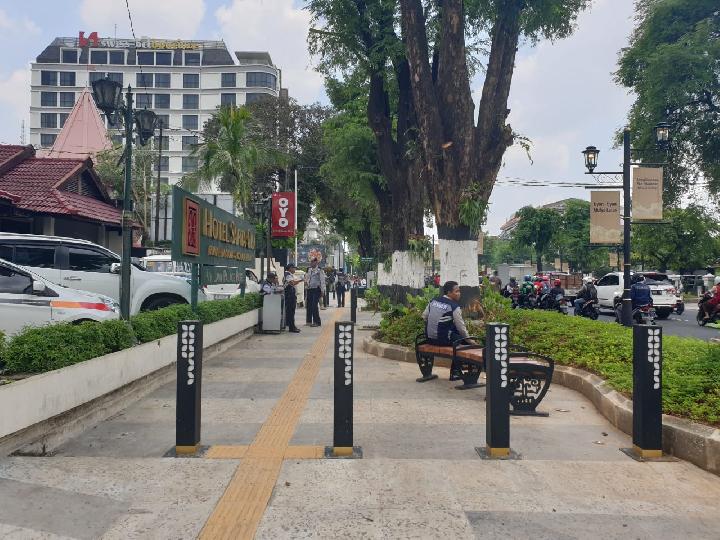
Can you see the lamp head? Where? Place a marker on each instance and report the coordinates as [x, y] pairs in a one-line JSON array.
[[591, 158]]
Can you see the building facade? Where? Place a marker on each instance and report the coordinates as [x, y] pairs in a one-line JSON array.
[[183, 82]]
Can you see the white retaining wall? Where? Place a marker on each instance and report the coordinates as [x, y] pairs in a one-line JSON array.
[[40, 397]]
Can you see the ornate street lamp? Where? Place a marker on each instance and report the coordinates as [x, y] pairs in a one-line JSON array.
[[108, 98], [662, 134], [591, 157]]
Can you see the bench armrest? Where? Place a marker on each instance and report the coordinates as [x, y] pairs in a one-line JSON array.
[[458, 344]]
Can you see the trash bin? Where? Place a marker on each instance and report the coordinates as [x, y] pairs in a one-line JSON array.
[[273, 312]]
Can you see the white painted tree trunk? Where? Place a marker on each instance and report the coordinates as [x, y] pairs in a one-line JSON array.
[[408, 270], [459, 262]]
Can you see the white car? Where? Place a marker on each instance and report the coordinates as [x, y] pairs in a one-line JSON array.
[[27, 299], [87, 266], [665, 300]]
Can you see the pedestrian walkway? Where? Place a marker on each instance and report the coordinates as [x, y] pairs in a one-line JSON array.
[[267, 414]]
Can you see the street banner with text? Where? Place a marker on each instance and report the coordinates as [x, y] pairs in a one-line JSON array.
[[205, 234], [647, 203], [283, 214], [605, 227]]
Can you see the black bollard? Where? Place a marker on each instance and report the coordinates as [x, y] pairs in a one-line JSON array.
[[353, 304], [343, 395], [647, 391], [189, 379], [497, 403]]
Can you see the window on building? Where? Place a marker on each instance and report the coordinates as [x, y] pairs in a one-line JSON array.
[[62, 119], [163, 58], [228, 80], [192, 58], [190, 121], [162, 101], [189, 142], [48, 78], [261, 80], [189, 164], [165, 142], [117, 77], [14, 282], [163, 119], [48, 120], [67, 78], [69, 56], [47, 139], [143, 101], [98, 57], [254, 97], [117, 57], [48, 99], [164, 164], [37, 256], [145, 58], [67, 99], [162, 80], [191, 101], [227, 100], [191, 80], [144, 80], [89, 260], [97, 75]]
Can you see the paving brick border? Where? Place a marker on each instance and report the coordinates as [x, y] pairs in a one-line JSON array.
[[697, 443]]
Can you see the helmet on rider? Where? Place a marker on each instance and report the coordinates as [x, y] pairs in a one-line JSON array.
[[546, 278], [637, 278], [717, 280], [557, 282], [512, 280], [527, 277], [587, 279]]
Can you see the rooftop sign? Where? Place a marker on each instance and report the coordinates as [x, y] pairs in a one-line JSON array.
[[93, 40]]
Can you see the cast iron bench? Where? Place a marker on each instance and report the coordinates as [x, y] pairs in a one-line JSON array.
[[529, 373]]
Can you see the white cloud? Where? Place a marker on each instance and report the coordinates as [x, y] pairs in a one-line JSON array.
[[24, 26], [280, 28], [14, 105], [151, 18]]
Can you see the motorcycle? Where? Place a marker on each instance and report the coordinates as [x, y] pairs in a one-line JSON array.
[[590, 310], [644, 314], [528, 301], [701, 320], [558, 303]]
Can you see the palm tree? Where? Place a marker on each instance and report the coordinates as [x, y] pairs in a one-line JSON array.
[[228, 155]]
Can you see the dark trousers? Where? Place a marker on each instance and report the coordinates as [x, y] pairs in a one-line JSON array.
[[313, 305], [290, 304], [341, 297]]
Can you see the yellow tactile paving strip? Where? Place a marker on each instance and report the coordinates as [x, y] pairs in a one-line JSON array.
[[239, 452], [240, 509]]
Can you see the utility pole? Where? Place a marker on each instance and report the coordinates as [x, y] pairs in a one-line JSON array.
[[157, 188]]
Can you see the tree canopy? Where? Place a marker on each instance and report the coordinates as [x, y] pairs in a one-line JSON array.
[[536, 229]]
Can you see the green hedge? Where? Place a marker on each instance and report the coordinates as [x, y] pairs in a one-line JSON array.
[[691, 367], [37, 350]]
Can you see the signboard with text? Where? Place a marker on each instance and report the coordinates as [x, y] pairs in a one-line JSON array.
[[308, 252], [605, 225], [283, 214], [205, 234], [647, 202]]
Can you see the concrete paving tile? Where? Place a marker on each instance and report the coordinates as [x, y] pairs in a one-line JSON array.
[[242, 374], [265, 362], [31, 506], [228, 390], [320, 434], [296, 523], [13, 532], [213, 411], [425, 523]]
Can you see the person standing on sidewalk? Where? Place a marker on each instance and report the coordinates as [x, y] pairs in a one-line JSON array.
[[340, 287], [291, 298], [315, 285]]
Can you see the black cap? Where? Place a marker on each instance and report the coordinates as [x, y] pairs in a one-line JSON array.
[[290, 266]]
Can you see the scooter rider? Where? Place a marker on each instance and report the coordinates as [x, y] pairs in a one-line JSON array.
[[711, 306], [510, 287], [587, 293], [557, 289], [640, 292]]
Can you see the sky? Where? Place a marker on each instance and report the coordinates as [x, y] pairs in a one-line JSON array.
[[563, 95]]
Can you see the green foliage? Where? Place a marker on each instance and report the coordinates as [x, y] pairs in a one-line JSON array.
[[536, 229], [422, 247], [572, 240], [36, 350], [372, 299], [3, 346], [671, 66], [473, 209]]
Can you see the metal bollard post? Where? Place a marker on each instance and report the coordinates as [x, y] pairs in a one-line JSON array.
[[497, 402], [343, 394], [189, 379], [353, 304], [647, 391]]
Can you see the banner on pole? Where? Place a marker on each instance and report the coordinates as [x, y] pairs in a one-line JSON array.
[[647, 193], [283, 214], [605, 227], [613, 259]]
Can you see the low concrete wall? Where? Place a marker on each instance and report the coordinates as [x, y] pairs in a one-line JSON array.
[[44, 396], [693, 442]]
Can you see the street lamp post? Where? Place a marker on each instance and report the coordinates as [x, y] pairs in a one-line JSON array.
[[108, 97], [591, 153]]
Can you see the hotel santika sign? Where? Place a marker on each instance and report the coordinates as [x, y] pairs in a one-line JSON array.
[[204, 234]]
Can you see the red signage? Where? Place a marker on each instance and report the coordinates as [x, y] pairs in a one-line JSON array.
[[283, 214], [85, 41], [191, 232]]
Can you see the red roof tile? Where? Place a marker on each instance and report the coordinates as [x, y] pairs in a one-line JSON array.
[[8, 151]]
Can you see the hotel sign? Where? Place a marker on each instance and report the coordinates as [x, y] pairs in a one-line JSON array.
[[92, 40], [205, 234]]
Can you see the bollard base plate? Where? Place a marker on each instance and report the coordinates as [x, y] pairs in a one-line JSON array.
[[529, 413], [343, 452], [504, 454], [638, 454], [193, 451]]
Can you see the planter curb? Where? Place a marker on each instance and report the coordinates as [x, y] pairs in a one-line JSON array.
[[697, 443]]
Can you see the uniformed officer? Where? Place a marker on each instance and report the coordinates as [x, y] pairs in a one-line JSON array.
[[291, 298]]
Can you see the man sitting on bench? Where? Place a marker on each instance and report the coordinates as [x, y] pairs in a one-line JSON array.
[[444, 323]]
